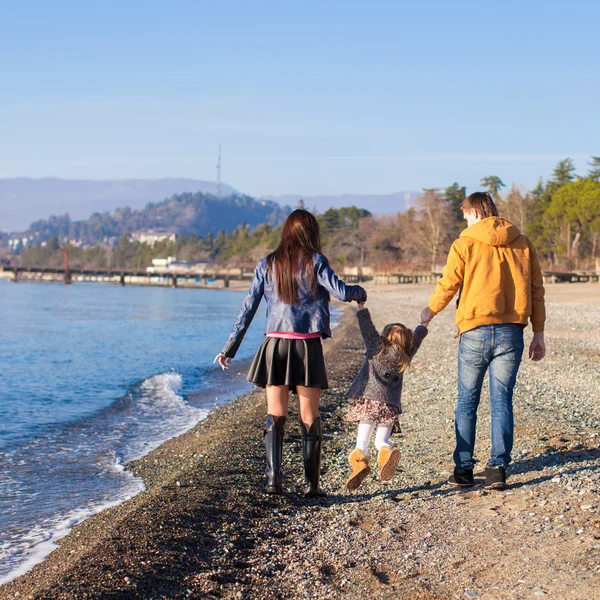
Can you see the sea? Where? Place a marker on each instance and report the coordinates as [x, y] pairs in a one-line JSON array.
[[93, 376]]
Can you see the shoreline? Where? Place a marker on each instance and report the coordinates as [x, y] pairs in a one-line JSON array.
[[221, 390], [413, 538], [202, 401], [165, 471]]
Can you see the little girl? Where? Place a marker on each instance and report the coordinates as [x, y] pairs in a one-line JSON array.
[[376, 394]]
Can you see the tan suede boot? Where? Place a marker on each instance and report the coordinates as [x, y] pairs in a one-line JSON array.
[[360, 468], [388, 460]]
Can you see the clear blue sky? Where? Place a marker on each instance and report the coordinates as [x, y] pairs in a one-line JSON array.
[[310, 97]]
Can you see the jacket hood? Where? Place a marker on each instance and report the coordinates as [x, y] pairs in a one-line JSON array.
[[493, 231]]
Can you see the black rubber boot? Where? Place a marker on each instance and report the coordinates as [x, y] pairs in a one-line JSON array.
[[312, 439], [274, 427]]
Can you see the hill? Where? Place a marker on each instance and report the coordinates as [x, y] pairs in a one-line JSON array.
[[24, 199], [184, 214]]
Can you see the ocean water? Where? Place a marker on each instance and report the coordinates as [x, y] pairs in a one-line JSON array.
[[92, 376]]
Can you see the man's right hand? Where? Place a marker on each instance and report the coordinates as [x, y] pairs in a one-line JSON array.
[[537, 348], [426, 316]]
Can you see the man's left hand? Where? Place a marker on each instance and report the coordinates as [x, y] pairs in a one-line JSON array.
[[537, 348]]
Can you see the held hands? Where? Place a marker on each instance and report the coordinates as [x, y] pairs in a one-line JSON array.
[[426, 316], [362, 297], [537, 348], [223, 361]]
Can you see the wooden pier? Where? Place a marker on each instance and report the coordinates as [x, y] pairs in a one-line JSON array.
[[127, 276], [576, 277], [222, 278]]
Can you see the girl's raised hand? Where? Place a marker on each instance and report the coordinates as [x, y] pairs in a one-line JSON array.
[[223, 361]]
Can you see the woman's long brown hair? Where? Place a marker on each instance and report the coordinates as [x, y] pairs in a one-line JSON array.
[[293, 258]]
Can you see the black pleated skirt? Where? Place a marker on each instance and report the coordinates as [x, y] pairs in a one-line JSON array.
[[280, 361]]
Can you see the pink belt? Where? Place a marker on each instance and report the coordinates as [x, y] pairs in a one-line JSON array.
[[294, 336]]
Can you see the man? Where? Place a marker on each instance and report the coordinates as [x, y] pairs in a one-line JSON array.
[[496, 271]]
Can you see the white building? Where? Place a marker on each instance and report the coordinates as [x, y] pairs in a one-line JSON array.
[[151, 237], [172, 265]]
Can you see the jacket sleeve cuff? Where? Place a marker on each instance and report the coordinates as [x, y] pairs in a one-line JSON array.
[[229, 350], [433, 308], [421, 331], [537, 326]]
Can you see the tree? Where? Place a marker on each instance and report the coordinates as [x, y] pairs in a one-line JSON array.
[[432, 232], [493, 184], [594, 172], [518, 207], [454, 196], [562, 174], [575, 207]]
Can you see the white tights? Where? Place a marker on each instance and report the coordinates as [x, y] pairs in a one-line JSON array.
[[365, 431]]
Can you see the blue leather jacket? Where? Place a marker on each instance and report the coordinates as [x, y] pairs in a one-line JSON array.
[[309, 315]]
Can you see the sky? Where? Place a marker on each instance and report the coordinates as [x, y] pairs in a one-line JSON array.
[[305, 97]]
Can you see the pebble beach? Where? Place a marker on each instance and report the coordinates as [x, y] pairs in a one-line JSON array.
[[204, 529]]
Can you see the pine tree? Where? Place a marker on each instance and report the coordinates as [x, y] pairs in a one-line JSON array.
[[494, 184], [594, 172], [563, 172]]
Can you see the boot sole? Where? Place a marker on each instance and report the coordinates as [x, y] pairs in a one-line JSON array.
[[319, 494], [356, 479], [389, 469], [273, 491], [498, 485], [455, 484]]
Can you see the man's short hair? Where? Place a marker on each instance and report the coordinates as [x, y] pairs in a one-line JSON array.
[[481, 202]]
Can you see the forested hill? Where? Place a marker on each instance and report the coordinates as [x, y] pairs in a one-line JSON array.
[[184, 214], [24, 199]]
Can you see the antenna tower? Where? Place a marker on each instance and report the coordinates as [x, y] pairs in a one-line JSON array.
[[218, 181]]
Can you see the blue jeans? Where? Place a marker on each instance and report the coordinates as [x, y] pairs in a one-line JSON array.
[[499, 348]]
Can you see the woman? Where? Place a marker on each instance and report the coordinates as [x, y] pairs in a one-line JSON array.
[[296, 281]]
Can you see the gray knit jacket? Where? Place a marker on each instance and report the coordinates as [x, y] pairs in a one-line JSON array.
[[378, 378]]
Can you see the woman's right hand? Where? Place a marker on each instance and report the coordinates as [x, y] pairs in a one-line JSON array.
[[362, 296], [223, 361]]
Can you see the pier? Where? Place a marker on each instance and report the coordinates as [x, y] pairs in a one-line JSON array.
[[128, 276], [224, 277]]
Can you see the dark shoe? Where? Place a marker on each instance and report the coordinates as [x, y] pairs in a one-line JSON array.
[[274, 427], [312, 439], [495, 478], [462, 478]]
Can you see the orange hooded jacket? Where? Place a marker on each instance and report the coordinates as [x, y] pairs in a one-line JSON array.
[[500, 276]]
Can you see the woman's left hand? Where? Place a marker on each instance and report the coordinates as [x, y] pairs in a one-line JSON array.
[[223, 361]]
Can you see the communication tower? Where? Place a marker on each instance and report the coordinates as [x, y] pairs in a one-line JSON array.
[[218, 181]]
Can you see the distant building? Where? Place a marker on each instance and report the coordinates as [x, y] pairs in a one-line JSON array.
[[172, 265], [152, 237], [17, 243]]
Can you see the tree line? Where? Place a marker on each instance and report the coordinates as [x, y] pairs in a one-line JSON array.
[[561, 216]]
